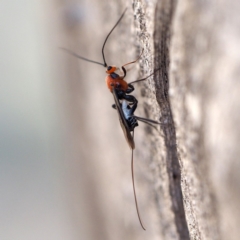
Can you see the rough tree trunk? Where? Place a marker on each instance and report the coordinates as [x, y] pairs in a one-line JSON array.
[[187, 171]]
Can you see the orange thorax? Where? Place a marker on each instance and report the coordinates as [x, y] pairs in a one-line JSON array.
[[118, 83]]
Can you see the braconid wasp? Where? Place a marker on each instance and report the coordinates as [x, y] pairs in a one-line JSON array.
[[125, 104]]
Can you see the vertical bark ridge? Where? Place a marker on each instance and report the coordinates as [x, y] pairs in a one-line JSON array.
[[162, 37]]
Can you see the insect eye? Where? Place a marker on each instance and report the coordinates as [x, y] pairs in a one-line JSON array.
[[111, 69]]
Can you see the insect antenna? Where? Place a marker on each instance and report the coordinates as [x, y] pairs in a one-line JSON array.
[[83, 58], [134, 191], [92, 61], [105, 64]]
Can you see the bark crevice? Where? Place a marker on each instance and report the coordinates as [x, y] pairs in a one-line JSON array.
[[162, 37]]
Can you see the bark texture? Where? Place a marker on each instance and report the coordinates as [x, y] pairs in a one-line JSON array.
[[187, 172]]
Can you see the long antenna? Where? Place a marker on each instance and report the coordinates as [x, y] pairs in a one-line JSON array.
[[89, 60], [105, 64], [134, 191], [83, 58]]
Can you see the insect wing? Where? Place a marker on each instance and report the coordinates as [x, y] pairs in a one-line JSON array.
[[123, 122]]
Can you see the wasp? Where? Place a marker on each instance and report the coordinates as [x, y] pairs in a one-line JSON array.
[[125, 104]]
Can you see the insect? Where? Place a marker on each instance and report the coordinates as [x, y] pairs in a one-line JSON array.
[[125, 104], [113, 79], [128, 122]]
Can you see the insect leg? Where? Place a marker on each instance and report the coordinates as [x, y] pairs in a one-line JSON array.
[[123, 67], [130, 88], [122, 95], [131, 99]]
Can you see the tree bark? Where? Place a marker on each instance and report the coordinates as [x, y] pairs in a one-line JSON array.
[[186, 171]]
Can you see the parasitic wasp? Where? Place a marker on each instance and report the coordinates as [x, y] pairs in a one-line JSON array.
[[125, 104]]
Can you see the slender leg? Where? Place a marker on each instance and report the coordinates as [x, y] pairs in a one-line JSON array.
[[122, 95], [123, 67], [130, 88]]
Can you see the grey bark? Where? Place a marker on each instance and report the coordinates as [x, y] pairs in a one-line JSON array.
[[187, 171]]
